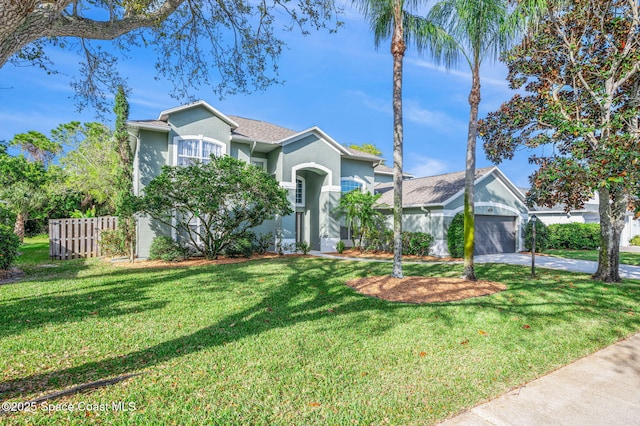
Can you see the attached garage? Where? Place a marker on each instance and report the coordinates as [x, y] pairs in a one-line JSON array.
[[431, 203], [495, 234]]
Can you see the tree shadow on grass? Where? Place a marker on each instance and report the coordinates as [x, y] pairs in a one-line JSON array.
[[310, 290], [307, 293]]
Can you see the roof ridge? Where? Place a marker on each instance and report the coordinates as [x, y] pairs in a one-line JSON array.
[[452, 173]]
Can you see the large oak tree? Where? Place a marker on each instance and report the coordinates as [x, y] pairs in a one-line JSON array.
[[229, 45], [579, 72]]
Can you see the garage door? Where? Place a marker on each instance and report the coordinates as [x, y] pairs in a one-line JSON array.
[[495, 234]]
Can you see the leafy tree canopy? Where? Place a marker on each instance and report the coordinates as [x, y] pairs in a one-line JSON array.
[[37, 146], [580, 74], [231, 46], [91, 165], [369, 148], [215, 203]]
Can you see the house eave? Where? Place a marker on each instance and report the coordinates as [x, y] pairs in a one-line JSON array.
[[145, 126]]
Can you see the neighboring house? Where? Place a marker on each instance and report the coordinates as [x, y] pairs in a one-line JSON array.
[[430, 203], [313, 167], [588, 214]]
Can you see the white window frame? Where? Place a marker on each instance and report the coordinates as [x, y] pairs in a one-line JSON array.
[[362, 183], [302, 192], [200, 139], [261, 161]]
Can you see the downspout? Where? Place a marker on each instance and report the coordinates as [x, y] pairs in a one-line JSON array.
[[136, 187]]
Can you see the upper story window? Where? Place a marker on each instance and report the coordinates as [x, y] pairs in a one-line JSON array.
[[348, 184], [300, 191], [196, 148], [260, 162]]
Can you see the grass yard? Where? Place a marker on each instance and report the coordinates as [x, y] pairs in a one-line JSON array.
[[284, 341], [626, 258]]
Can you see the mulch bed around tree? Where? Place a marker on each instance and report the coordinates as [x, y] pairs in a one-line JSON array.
[[423, 289], [389, 256]]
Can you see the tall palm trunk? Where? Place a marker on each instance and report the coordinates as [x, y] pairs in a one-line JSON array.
[[470, 176], [612, 206], [18, 228], [398, 48]]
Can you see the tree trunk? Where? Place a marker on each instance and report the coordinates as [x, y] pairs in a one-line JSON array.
[[470, 177], [18, 229], [611, 225], [398, 48]]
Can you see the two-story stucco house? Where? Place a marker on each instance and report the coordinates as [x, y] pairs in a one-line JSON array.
[[313, 167], [316, 170]]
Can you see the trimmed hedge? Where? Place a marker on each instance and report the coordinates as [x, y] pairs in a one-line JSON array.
[[574, 236], [542, 236], [416, 243], [455, 236], [166, 249], [9, 244]]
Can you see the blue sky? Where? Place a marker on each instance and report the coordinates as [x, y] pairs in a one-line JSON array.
[[338, 82]]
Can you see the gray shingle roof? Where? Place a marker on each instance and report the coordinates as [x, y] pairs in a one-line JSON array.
[[361, 154], [260, 130], [427, 190], [381, 168]]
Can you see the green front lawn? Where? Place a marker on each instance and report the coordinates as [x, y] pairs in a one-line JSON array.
[[625, 258], [284, 341]]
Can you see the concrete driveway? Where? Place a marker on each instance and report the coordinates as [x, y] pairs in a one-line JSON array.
[[573, 265]]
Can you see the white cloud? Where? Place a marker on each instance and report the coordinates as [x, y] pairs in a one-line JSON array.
[[437, 120], [413, 112], [421, 166], [375, 104], [490, 75]]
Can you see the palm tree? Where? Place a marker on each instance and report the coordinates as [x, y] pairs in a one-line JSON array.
[[390, 18], [481, 28], [22, 198]]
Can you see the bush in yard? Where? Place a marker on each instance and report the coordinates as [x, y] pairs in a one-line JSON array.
[[340, 246], [416, 243], [379, 238], [635, 241], [574, 236], [542, 235], [9, 244], [260, 244], [455, 236], [166, 249], [112, 243], [303, 247], [241, 246], [225, 195]]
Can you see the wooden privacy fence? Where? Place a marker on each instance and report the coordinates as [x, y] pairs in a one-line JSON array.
[[73, 238]]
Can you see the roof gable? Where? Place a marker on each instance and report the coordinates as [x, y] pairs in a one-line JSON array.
[[439, 190], [164, 115]]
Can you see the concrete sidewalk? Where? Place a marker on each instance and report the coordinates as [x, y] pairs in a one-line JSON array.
[[573, 265], [600, 389]]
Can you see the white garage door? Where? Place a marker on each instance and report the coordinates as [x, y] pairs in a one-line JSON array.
[[495, 234]]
